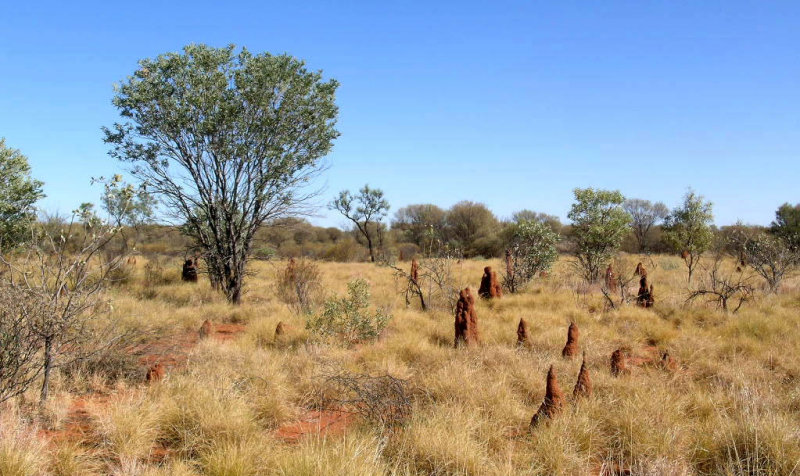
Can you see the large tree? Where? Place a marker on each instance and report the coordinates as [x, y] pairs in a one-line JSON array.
[[688, 229], [365, 210], [228, 141], [644, 214], [599, 224], [18, 193]]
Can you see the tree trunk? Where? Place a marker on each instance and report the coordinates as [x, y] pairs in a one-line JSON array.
[[48, 367], [369, 244]]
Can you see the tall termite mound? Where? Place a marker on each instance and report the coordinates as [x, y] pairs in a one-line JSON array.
[[645, 296], [619, 362], [640, 270], [522, 333], [571, 347], [583, 387], [553, 402], [414, 270], [611, 279], [490, 285], [189, 271], [155, 373], [205, 329], [466, 321]]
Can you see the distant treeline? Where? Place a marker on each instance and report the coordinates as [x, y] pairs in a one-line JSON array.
[[466, 229]]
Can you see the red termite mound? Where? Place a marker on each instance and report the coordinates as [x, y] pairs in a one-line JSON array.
[[583, 387], [619, 363], [640, 270], [414, 270], [497, 289], [522, 333], [645, 296], [466, 322], [571, 348], [490, 286], [291, 270], [611, 279], [189, 271], [553, 402], [685, 254], [205, 329], [155, 373]]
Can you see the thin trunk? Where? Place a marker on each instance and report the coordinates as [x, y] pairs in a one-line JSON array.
[[48, 367], [369, 244]]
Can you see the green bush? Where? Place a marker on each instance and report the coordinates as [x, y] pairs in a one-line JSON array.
[[347, 319]]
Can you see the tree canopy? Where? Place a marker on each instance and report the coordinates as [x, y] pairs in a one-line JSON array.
[[227, 140], [18, 193]]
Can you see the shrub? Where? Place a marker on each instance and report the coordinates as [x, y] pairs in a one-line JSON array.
[[347, 319], [532, 250], [298, 285], [154, 274], [264, 253]]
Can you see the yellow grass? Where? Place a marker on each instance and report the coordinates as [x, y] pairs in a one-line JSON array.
[[732, 408]]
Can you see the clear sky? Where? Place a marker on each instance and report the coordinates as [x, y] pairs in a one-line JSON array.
[[512, 104]]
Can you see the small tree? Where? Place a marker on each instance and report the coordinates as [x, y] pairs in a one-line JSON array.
[[18, 193], [63, 278], [688, 229], [724, 285], [787, 225], [20, 363], [228, 141], [644, 214], [532, 249], [768, 255], [133, 206], [365, 210], [599, 225]]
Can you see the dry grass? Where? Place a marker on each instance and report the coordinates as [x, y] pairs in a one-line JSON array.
[[732, 408]]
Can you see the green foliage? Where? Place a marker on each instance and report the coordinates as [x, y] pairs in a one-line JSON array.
[[787, 224], [768, 255], [599, 225], [529, 215], [472, 228], [532, 249], [365, 210], [18, 193], [644, 214], [347, 319], [688, 231], [420, 224], [125, 204], [228, 141]]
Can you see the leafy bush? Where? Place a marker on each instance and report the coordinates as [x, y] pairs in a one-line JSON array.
[[264, 253], [532, 250], [347, 319]]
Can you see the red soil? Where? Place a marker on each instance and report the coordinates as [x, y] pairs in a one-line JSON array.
[[314, 422]]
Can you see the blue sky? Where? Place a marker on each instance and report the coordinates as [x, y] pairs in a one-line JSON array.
[[512, 104]]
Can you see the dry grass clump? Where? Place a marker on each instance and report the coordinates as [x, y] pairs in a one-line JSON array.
[[21, 452], [730, 407]]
